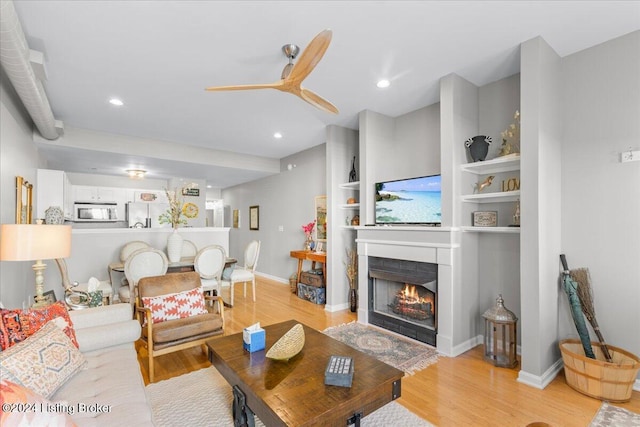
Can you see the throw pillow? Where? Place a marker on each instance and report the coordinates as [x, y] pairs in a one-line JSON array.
[[17, 324], [43, 362], [176, 306], [23, 407]]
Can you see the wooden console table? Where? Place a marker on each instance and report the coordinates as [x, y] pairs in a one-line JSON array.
[[313, 257]]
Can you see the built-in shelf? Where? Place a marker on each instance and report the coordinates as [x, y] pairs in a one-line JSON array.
[[350, 206], [505, 196], [350, 185], [497, 165], [348, 227], [504, 230]]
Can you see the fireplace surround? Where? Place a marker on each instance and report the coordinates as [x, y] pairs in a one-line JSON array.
[[433, 246]]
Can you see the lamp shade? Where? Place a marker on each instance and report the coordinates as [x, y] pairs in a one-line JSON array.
[[29, 242]]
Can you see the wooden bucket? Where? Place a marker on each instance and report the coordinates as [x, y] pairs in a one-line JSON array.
[[597, 377]]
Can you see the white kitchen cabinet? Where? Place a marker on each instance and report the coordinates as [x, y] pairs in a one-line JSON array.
[[84, 193], [53, 188]]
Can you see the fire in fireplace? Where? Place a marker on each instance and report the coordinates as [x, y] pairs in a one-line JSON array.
[[410, 304], [403, 297]]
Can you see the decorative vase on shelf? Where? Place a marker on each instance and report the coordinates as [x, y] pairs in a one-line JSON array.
[[307, 243], [174, 246]]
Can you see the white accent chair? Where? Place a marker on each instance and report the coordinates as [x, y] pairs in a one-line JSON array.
[[209, 263], [125, 253], [189, 249], [144, 263], [247, 273]]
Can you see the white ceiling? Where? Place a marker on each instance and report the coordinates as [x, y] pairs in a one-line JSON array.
[[158, 56]]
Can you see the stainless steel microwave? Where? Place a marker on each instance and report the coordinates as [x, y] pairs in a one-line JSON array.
[[95, 212]]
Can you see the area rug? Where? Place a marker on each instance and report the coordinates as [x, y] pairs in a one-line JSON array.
[[613, 416], [203, 398], [404, 354]]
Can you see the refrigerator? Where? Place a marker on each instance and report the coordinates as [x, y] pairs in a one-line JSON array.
[[145, 215]]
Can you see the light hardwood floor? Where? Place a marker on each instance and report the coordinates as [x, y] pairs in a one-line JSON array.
[[460, 391]]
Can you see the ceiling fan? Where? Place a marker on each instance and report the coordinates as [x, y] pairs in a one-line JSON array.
[[294, 74]]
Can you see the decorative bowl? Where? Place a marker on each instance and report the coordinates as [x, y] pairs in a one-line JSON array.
[[288, 345]]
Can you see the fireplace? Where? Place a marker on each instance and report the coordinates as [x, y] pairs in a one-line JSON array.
[[403, 297]]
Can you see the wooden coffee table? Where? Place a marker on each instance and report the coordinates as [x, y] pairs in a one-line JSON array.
[[293, 393]]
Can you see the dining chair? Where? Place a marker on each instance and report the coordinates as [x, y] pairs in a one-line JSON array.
[[189, 249], [209, 263], [125, 252], [144, 263], [247, 272]]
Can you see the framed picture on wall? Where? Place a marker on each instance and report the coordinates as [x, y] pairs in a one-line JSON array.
[[254, 217], [236, 218], [321, 218]]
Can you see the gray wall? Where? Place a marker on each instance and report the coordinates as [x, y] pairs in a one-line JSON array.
[[286, 199], [600, 195], [18, 157]]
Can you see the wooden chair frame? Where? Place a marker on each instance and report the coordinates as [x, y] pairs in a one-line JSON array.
[[143, 314]]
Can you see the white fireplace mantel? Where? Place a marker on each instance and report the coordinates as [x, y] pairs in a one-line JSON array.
[[438, 245]]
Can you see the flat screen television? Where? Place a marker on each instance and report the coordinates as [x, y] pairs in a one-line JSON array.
[[409, 201]]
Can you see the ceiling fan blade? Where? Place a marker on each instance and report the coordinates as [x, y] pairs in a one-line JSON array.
[[275, 85], [317, 101], [310, 57]]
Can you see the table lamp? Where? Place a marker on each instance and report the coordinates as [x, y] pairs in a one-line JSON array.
[[33, 242]]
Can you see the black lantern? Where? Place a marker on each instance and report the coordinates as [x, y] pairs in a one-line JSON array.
[[500, 335]]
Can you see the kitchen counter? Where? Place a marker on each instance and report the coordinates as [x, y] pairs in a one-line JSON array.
[[92, 250]]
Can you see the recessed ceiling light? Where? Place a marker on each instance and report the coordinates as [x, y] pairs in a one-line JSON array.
[[209, 186], [383, 83], [277, 135], [116, 101]]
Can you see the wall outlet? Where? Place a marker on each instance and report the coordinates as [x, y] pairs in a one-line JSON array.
[[281, 228], [630, 156]]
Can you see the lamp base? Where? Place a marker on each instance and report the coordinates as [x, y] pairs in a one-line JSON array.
[[38, 269]]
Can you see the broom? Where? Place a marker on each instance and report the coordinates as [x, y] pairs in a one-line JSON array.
[[585, 294]]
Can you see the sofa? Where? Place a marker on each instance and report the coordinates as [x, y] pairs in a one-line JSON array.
[[107, 389]]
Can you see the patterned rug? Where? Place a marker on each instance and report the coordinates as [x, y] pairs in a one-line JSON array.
[[203, 398], [404, 354], [613, 416]]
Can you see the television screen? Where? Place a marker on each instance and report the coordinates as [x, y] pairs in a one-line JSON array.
[[409, 201]]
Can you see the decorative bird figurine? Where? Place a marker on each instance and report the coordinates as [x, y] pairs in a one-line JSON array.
[[482, 185], [478, 147]]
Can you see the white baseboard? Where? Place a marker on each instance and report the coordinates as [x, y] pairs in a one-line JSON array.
[[274, 278], [541, 381], [336, 307], [466, 345]]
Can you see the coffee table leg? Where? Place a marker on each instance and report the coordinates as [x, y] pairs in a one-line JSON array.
[[242, 414]]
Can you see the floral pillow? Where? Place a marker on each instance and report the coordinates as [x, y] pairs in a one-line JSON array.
[[176, 306], [22, 407], [16, 325]]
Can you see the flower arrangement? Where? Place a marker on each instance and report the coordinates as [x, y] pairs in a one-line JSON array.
[[352, 268], [174, 214], [511, 137], [308, 229]]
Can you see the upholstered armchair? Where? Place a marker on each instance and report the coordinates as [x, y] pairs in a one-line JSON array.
[[174, 316]]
